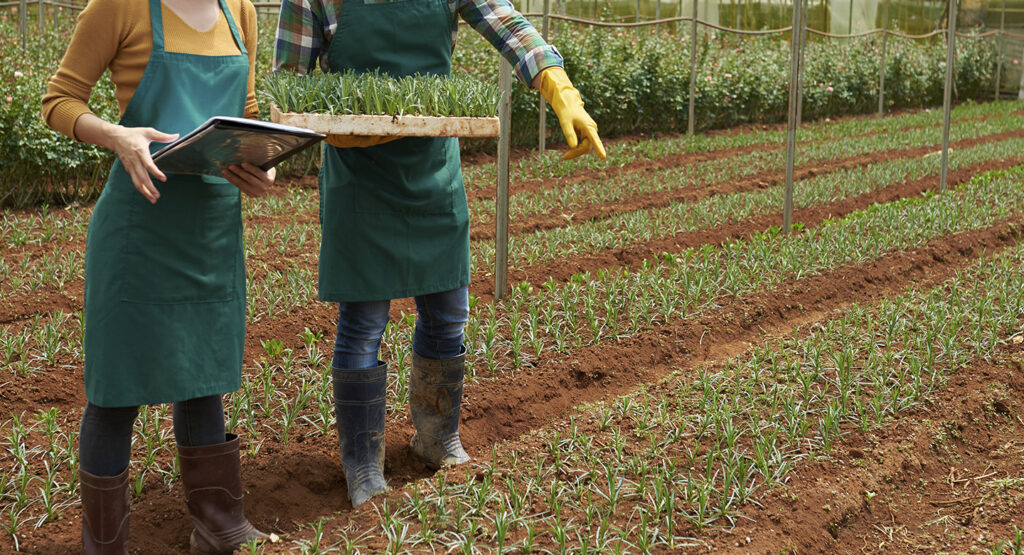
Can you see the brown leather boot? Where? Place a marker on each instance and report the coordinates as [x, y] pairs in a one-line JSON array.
[[105, 508], [212, 477]]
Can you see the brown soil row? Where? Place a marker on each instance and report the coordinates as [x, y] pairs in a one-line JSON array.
[[563, 269], [668, 162], [300, 482], [541, 222], [929, 476]]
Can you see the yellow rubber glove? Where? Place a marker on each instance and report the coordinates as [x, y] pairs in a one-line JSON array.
[[568, 106], [356, 141]]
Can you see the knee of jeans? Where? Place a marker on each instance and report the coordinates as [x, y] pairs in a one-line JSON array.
[[360, 331]]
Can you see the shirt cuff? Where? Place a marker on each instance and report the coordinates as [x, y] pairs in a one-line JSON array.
[[536, 61], [64, 116]]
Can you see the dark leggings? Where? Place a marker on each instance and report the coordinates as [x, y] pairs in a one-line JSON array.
[[105, 439]]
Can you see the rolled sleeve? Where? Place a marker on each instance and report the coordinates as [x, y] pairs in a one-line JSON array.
[[516, 38], [299, 39]]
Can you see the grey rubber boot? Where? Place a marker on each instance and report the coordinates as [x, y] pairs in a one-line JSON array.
[[105, 507], [359, 406], [435, 401]]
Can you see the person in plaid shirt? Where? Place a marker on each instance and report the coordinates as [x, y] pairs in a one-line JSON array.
[[393, 212]]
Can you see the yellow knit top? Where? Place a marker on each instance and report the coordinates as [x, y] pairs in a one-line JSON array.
[[117, 34]]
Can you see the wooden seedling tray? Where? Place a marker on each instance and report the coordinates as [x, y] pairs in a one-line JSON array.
[[389, 126]]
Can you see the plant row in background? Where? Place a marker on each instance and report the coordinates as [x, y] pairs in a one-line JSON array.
[[376, 93], [551, 164], [632, 82], [730, 170]]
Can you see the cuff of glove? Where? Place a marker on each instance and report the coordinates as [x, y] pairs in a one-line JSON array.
[[356, 141], [557, 89]]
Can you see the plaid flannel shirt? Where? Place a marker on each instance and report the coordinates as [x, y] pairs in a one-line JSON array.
[[305, 29]]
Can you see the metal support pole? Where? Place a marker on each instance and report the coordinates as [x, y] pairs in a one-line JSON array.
[[40, 14], [849, 22], [794, 93], [22, 14], [881, 70], [693, 69], [947, 93], [657, 10], [999, 55], [637, 18], [542, 124], [501, 202], [800, 71]]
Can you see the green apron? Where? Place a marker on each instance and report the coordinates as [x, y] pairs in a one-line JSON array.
[[394, 216], [165, 282]]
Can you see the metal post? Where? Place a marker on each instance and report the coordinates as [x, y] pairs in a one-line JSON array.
[[501, 202], [637, 18], [40, 14], [693, 68], [800, 71], [794, 93], [947, 93], [881, 71], [542, 124], [849, 29], [999, 56], [22, 14]]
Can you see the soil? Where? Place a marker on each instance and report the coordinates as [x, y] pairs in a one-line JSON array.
[[926, 472]]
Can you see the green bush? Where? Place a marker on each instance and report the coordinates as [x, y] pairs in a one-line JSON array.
[[38, 165], [638, 81], [634, 81]]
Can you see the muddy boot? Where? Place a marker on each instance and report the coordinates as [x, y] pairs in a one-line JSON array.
[[435, 399], [212, 478], [105, 509], [359, 406]]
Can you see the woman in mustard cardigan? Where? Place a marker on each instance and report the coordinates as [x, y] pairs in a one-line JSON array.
[[164, 275]]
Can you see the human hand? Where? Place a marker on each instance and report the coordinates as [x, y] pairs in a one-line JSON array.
[[132, 147], [357, 141], [578, 127], [250, 179]]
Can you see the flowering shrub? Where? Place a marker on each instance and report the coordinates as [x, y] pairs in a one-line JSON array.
[[638, 81], [37, 164]]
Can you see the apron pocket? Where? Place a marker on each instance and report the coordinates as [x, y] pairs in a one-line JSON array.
[[184, 249], [411, 176]]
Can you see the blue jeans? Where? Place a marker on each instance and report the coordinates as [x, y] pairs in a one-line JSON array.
[[442, 318]]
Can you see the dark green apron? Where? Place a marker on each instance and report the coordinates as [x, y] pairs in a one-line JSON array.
[[394, 216], [165, 282]]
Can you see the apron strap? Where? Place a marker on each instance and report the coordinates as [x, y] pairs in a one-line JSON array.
[[156, 20], [234, 28]]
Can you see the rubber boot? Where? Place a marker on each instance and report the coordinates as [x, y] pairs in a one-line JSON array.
[[212, 477], [435, 400], [105, 509], [359, 405]]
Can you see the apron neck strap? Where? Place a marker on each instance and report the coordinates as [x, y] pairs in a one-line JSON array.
[[234, 28], [156, 18]]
